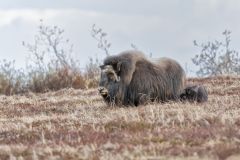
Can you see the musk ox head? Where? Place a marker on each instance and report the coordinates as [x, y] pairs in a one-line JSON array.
[[109, 83]]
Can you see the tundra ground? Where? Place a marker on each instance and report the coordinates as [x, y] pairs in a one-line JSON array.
[[77, 124]]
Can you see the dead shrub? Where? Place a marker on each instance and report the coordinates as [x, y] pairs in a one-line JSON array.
[[50, 65]]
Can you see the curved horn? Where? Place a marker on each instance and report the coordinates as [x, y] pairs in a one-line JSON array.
[[109, 69]]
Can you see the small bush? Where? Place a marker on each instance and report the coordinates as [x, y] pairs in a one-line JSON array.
[[12, 80], [55, 80], [217, 58], [50, 66], [55, 69], [92, 73]]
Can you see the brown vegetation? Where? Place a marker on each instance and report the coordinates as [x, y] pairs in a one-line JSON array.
[[77, 124], [50, 65]]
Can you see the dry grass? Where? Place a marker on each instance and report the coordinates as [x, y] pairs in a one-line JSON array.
[[76, 124]]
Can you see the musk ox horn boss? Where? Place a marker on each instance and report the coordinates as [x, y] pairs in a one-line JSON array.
[[129, 78]]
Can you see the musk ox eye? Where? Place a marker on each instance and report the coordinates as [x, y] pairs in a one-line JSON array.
[[113, 77]]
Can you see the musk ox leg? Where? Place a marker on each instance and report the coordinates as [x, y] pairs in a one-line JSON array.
[[193, 93]]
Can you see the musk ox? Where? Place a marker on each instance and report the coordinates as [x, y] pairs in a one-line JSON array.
[[193, 93], [129, 78]]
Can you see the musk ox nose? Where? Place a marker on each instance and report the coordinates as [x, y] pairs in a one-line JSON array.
[[100, 89], [103, 91]]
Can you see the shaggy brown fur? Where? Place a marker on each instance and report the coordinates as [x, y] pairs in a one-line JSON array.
[[193, 93], [142, 80]]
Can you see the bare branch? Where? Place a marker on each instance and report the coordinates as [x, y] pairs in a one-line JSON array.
[[217, 58], [100, 36]]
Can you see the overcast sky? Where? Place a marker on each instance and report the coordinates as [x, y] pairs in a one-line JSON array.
[[161, 27]]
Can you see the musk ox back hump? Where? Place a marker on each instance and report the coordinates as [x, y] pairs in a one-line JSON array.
[[175, 72], [161, 81]]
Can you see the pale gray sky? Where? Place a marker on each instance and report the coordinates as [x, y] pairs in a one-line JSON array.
[[162, 27]]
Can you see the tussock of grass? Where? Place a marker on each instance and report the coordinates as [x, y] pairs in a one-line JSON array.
[[77, 124]]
